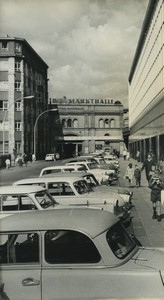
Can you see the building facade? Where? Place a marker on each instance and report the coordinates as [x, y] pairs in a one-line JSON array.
[[23, 96], [87, 125], [146, 86]]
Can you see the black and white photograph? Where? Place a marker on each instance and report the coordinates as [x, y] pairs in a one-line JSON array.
[[81, 149]]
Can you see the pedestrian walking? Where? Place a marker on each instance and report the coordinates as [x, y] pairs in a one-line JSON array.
[[129, 174], [138, 155], [7, 163], [127, 155], [20, 161], [137, 175], [124, 154], [25, 159], [156, 186], [149, 166]]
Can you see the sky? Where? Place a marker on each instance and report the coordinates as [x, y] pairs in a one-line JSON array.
[[89, 45]]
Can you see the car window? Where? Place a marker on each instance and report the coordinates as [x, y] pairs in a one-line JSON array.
[[81, 187], [45, 172], [119, 241], [45, 199], [19, 248], [92, 182], [60, 189], [91, 166], [69, 247], [17, 203], [69, 170]]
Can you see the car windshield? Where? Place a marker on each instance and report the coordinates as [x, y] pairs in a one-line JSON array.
[[45, 199], [81, 187], [92, 165], [91, 181], [119, 241]]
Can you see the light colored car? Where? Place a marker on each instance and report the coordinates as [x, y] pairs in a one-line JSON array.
[[24, 198], [74, 190], [100, 174], [60, 168], [75, 254], [50, 157]]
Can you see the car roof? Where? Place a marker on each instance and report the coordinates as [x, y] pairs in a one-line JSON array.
[[91, 221], [51, 178], [58, 167], [12, 189]]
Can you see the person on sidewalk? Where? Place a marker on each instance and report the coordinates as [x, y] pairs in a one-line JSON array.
[[156, 186], [129, 173], [148, 165], [137, 175], [138, 155], [124, 154], [7, 162], [127, 155]]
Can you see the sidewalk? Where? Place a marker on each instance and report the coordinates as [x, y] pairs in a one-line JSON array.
[[150, 232]]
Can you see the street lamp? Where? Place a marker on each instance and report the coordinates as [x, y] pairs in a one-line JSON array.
[[4, 119], [53, 109]]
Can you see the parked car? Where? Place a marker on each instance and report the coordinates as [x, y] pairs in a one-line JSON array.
[[60, 168], [75, 254], [21, 198], [50, 157], [100, 174], [74, 190]]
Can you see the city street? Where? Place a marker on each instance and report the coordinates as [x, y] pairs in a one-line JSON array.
[[148, 231]]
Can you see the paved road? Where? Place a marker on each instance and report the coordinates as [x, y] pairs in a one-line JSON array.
[[148, 231]]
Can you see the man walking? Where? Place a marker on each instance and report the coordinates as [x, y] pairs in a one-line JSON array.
[[148, 165]]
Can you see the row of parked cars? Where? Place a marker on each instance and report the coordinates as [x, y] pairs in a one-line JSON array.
[[63, 236]]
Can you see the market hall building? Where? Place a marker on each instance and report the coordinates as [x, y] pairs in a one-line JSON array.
[[146, 86], [87, 125]]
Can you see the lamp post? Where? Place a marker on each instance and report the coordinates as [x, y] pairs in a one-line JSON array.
[[53, 109], [4, 119]]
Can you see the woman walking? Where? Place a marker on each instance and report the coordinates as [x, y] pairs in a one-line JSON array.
[[129, 174]]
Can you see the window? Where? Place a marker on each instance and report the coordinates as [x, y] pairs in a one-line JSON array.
[[75, 123], [119, 241], [17, 65], [69, 123], [39, 97], [112, 123], [101, 123], [60, 189], [4, 46], [64, 123], [17, 125], [18, 47], [106, 123], [3, 104], [63, 247], [17, 86], [18, 105], [19, 248], [16, 203], [18, 146]]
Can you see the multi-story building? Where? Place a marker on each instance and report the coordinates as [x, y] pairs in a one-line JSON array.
[[146, 85], [23, 96], [86, 125]]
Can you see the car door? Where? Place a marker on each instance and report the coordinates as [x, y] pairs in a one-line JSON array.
[[20, 266], [64, 275]]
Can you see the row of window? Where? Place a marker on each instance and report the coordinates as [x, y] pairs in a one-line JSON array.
[[4, 104], [17, 126], [103, 123], [5, 46]]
